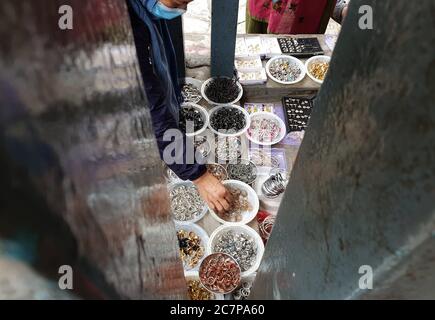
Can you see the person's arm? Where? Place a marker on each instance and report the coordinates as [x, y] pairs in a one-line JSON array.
[[340, 11], [210, 189]]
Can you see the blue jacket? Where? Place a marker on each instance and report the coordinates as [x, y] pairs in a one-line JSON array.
[[158, 66]]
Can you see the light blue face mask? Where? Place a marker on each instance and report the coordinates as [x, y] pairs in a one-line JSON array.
[[164, 12]]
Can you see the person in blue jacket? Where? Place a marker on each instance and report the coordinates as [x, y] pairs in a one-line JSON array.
[[158, 66]]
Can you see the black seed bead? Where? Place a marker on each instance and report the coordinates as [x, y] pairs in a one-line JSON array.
[[191, 114]]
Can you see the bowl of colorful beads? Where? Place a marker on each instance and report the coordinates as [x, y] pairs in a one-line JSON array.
[[266, 129], [285, 69], [186, 203], [193, 245], [196, 291], [242, 243], [229, 120], [317, 68], [244, 206], [221, 90]]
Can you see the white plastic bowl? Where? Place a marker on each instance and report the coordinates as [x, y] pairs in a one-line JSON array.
[[201, 233], [316, 59], [197, 84], [236, 134], [198, 217], [247, 216], [204, 115], [206, 82], [246, 230], [267, 115], [194, 276], [291, 59]]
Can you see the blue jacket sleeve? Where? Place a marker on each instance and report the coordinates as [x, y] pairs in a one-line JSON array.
[[162, 114]]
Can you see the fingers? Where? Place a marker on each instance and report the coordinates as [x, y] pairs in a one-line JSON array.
[[218, 206], [228, 197], [224, 203]]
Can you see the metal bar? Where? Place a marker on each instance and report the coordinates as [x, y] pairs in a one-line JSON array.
[[223, 36]]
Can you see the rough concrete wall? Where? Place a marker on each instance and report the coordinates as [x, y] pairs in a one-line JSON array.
[[77, 143], [362, 191]]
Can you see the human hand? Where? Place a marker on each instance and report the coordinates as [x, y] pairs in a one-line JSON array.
[[213, 192]]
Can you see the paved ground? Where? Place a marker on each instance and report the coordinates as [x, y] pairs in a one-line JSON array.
[[197, 19]]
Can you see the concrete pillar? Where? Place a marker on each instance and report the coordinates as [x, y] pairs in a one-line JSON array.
[[80, 168], [362, 191], [223, 36]]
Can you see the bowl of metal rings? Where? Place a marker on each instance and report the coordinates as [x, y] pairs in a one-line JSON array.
[[191, 90], [266, 129], [222, 90], [285, 69], [218, 171], [242, 170], [240, 242], [229, 120], [244, 206], [227, 148], [195, 289], [193, 119], [186, 203], [192, 243], [317, 68], [243, 291], [220, 273]]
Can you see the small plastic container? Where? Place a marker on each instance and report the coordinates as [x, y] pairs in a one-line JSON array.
[[200, 215], [235, 134], [197, 84], [246, 230], [202, 234], [204, 115], [204, 268], [272, 116], [194, 276], [291, 59], [211, 102], [253, 200], [316, 59], [245, 162]]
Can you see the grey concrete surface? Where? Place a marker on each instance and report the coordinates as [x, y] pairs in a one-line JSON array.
[[362, 188]]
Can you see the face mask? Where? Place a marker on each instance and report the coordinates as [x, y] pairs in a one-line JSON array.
[[163, 12]]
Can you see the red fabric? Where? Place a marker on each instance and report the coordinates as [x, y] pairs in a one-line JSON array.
[[289, 16]]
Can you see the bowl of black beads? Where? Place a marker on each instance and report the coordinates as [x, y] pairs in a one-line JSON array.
[[229, 120], [221, 90], [193, 119]]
